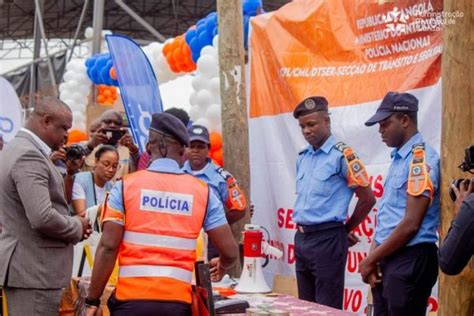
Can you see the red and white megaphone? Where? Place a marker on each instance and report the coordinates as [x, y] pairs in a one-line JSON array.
[[251, 279]]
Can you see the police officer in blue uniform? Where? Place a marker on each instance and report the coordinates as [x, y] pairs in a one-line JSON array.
[[402, 265], [220, 181], [328, 174]]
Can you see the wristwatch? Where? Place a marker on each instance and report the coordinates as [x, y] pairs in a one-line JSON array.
[[90, 303]]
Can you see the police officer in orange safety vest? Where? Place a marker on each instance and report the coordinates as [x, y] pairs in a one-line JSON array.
[[151, 224]]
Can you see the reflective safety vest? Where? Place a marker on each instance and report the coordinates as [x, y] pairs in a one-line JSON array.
[[164, 214]]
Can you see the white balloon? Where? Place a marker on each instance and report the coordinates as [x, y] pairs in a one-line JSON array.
[[193, 98], [77, 107], [204, 122], [78, 97], [62, 87], [89, 32], [72, 84], [69, 75], [207, 65], [195, 112], [67, 100], [214, 86], [106, 32], [204, 98], [218, 128], [213, 114], [81, 127], [207, 50], [83, 89], [78, 117], [215, 41], [198, 82]]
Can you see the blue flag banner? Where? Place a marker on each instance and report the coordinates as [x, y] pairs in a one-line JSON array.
[[138, 85]]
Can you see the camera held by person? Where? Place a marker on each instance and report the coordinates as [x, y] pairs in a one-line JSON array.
[[458, 247], [466, 166]]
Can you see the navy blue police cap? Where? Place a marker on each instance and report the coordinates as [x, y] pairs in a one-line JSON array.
[[171, 126], [391, 103], [310, 105], [200, 133]]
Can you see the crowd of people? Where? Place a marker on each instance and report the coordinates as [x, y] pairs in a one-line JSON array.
[[154, 205]]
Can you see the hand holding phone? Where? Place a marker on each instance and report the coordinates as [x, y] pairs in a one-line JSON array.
[[113, 135]]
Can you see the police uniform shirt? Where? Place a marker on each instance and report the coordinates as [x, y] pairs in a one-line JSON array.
[[394, 200], [321, 185], [210, 175], [215, 215]]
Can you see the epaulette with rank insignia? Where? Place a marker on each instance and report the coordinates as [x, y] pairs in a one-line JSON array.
[[356, 173], [419, 177]]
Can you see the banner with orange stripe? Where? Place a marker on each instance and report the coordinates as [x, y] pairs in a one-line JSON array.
[[352, 53]]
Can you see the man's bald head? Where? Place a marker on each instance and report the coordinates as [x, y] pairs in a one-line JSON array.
[[50, 106], [50, 121]]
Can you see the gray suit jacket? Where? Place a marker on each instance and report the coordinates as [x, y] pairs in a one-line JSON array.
[[36, 244]]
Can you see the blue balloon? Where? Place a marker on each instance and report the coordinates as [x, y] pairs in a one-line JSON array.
[[190, 34], [194, 45], [246, 30], [89, 73], [101, 62], [211, 15], [203, 39], [251, 5], [215, 31], [195, 57], [90, 62], [200, 22], [95, 75], [251, 13], [114, 82], [210, 24], [104, 76]]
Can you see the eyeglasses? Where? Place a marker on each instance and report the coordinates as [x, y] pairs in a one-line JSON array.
[[108, 165], [108, 122]]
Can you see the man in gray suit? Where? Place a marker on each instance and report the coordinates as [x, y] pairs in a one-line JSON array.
[[36, 244]]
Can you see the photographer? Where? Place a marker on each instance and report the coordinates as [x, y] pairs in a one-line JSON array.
[[458, 246], [111, 132], [68, 161]]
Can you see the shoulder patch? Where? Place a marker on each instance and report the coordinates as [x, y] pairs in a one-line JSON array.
[[357, 175], [419, 179], [236, 199]]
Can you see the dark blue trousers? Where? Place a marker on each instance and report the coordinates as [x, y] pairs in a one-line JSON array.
[[408, 276], [147, 308], [320, 264]]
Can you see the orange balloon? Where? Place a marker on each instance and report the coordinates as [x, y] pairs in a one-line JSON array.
[[173, 67], [216, 141], [112, 73], [166, 48], [107, 93], [186, 50], [100, 98], [75, 136], [109, 101], [218, 157], [177, 55]]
